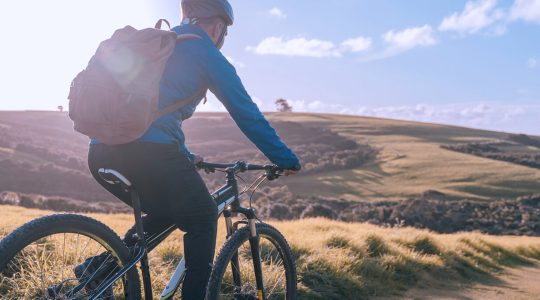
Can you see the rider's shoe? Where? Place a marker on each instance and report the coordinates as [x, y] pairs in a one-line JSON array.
[[99, 267]]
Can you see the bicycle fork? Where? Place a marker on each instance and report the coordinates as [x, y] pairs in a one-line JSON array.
[[254, 246]]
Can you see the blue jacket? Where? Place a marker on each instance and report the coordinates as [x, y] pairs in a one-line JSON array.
[[196, 66]]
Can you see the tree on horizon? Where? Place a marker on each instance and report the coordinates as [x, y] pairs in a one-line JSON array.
[[282, 105]]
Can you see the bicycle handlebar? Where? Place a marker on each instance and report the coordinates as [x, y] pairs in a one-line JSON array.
[[272, 171]]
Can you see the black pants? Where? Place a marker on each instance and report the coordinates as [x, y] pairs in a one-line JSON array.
[[171, 192]]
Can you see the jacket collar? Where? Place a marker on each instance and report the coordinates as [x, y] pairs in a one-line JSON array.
[[192, 29]]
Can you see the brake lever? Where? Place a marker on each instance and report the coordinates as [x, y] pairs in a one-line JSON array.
[[273, 174]]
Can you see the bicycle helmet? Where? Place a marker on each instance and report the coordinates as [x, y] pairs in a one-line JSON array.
[[205, 9]]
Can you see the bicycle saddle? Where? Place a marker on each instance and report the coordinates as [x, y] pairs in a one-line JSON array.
[[113, 177]]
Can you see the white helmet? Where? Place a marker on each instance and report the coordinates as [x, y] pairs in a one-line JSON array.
[[205, 9]]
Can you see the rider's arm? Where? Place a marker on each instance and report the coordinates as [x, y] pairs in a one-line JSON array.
[[228, 88]]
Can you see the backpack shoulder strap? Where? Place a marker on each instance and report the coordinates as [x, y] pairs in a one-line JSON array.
[[160, 22], [176, 105]]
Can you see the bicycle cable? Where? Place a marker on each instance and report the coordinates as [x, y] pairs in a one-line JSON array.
[[245, 183], [255, 188]]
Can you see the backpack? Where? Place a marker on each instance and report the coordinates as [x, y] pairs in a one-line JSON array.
[[115, 99]]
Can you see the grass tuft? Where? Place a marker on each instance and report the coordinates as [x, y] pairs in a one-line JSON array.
[[338, 242], [424, 245], [376, 246], [170, 253]]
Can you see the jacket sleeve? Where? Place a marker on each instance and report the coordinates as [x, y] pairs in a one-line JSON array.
[[228, 88]]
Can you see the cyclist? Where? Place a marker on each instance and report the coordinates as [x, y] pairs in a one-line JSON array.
[[160, 166]]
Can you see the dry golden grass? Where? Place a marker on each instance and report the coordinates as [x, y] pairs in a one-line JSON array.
[[411, 162], [338, 260]]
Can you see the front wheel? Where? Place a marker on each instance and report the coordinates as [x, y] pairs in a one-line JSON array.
[[279, 272], [39, 261]]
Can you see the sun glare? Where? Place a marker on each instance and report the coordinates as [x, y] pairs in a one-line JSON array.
[[53, 41]]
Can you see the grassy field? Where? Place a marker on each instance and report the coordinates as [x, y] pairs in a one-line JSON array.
[[411, 162], [354, 261]]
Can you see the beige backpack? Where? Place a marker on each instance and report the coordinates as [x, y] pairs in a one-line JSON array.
[[115, 99]]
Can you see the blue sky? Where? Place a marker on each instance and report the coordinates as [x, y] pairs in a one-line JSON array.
[[471, 63]]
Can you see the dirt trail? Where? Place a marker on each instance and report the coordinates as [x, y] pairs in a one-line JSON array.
[[513, 284]]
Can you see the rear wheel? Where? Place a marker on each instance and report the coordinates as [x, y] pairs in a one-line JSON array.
[[279, 273], [38, 260]]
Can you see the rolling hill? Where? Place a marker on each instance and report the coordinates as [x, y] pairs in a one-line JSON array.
[[355, 169]]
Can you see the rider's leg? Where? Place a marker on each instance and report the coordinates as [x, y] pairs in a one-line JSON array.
[[153, 225], [199, 245], [171, 189], [195, 212]]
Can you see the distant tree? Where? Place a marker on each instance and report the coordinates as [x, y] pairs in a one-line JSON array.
[[282, 105], [60, 108]]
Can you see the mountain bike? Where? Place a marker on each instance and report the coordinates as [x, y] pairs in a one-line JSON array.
[[39, 259]]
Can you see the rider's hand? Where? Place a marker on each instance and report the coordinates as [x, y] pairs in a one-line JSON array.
[[292, 171], [196, 159]]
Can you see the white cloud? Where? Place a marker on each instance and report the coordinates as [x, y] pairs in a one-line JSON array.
[[396, 41], [516, 118], [309, 47], [235, 63], [476, 16], [403, 40], [317, 106], [488, 115], [277, 13], [298, 105], [295, 47], [527, 10], [493, 116], [532, 63], [358, 44], [410, 38]]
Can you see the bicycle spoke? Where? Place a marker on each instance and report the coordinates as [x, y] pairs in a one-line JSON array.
[[273, 274], [45, 269], [63, 255]]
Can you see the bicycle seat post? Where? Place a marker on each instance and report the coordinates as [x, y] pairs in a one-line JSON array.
[[114, 177], [141, 242]]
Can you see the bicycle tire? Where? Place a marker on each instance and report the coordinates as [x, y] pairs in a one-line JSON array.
[[45, 226], [232, 245]]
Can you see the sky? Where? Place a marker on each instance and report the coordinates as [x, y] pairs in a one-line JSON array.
[[470, 63]]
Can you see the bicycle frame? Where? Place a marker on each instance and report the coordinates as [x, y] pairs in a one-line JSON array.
[[224, 196], [227, 199]]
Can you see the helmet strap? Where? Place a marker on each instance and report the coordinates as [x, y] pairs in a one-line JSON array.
[[221, 39], [195, 21]]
